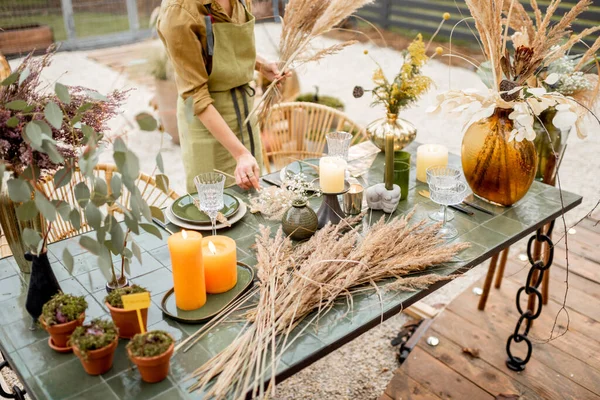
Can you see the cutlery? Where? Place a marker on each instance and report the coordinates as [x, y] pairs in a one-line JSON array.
[[425, 193], [272, 181], [162, 225], [475, 206]]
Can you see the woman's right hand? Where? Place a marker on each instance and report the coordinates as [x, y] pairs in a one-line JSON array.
[[247, 172]]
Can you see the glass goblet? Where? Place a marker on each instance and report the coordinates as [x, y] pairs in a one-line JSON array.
[[444, 176], [448, 196], [338, 144], [210, 187]]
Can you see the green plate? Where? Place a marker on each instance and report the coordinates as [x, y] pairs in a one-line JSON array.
[[214, 302], [297, 167], [185, 209]]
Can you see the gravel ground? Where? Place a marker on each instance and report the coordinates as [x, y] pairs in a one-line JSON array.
[[362, 368]]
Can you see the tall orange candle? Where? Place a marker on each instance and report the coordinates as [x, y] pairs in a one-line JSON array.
[[188, 270], [220, 263]]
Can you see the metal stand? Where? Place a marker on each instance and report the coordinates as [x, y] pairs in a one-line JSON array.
[[18, 393], [539, 266], [330, 210]]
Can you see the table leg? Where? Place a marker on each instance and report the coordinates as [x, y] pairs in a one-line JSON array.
[[539, 268], [488, 283], [546, 280], [500, 273]]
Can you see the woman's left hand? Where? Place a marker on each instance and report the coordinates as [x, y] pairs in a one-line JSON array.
[[272, 73]]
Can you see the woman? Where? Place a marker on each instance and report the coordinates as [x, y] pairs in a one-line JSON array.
[[211, 46]]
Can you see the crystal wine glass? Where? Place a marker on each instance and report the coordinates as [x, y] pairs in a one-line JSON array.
[[448, 195], [444, 176], [210, 195], [338, 144]]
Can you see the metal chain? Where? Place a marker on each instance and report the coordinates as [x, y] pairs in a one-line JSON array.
[[531, 288]]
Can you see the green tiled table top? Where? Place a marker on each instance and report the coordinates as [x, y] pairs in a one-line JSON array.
[[50, 375]]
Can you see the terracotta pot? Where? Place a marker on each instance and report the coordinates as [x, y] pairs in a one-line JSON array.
[[153, 369], [97, 362], [62, 332], [126, 321]]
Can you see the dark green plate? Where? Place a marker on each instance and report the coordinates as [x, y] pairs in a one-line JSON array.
[[185, 209], [214, 302]]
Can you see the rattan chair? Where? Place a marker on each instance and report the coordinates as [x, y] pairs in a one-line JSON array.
[[62, 229], [296, 131]]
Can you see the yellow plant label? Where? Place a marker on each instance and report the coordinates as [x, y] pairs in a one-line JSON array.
[[136, 301]]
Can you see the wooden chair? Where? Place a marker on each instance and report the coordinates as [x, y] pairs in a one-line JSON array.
[[297, 131], [62, 229]]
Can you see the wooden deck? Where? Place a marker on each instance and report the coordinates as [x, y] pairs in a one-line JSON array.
[[565, 368]]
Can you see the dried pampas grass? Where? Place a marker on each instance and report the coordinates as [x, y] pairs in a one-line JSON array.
[[296, 280], [304, 21]]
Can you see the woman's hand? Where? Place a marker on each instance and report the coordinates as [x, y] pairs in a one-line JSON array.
[[247, 172], [272, 73]]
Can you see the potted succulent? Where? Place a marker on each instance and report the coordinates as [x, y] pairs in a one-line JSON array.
[[125, 320], [60, 317], [151, 352], [95, 344]]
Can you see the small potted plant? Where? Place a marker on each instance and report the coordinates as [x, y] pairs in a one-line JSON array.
[[60, 317], [125, 320], [151, 352], [95, 344]]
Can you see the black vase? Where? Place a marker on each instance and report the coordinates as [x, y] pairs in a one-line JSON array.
[[42, 284]]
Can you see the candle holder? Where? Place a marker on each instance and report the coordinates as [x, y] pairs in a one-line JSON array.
[[330, 210]]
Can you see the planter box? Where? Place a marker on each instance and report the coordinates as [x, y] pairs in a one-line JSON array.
[[24, 39]]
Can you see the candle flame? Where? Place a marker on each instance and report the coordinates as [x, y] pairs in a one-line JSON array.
[[184, 234], [211, 247]]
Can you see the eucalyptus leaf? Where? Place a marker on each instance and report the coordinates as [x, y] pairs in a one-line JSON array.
[[84, 107], [63, 208], [132, 224], [115, 186], [90, 245], [117, 236], [18, 190], [16, 105], [93, 216], [12, 78], [62, 92], [32, 172], [146, 122], [63, 176], [100, 194], [94, 95], [32, 239], [159, 163], [67, 259], [24, 75], [52, 152], [82, 194], [88, 133], [27, 211], [162, 182], [45, 206], [54, 115], [12, 122], [75, 218], [120, 146], [44, 127], [106, 265], [127, 266], [137, 252], [157, 213], [152, 229], [34, 133]]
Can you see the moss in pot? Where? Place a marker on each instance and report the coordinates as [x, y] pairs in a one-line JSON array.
[[60, 317], [95, 344], [125, 320], [151, 352]]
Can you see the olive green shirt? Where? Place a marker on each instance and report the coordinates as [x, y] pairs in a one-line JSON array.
[[181, 27]]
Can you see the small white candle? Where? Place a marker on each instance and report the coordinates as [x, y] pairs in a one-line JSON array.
[[430, 155], [332, 172]]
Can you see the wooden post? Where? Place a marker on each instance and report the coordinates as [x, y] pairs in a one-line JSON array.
[[68, 18], [500, 273], [488, 282], [132, 14]]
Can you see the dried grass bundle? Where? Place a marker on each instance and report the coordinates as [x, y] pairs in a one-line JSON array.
[[304, 21], [296, 280]]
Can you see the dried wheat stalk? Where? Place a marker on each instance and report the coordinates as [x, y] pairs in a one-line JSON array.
[[296, 280]]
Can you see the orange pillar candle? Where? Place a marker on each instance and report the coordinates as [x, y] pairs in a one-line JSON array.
[[188, 270], [220, 263]]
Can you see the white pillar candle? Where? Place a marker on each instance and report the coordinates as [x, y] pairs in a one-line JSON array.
[[332, 172], [430, 155]]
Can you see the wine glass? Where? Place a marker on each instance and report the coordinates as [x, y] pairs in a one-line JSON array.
[[444, 176], [448, 195], [210, 187]]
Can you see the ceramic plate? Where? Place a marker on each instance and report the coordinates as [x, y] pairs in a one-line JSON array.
[[203, 227], [214, 302], [297, 167], [185, 209]]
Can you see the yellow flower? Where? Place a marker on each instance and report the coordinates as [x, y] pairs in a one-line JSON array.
[[378, 77], [446, 16], [366, 52], [417, 51], [439, 51]]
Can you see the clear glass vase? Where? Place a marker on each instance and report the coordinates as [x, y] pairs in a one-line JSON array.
[[498, 170], [549, 142]]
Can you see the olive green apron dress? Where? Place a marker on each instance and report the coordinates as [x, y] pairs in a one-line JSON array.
[[233, 53]]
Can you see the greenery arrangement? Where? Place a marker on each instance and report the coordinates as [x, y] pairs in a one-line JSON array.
[[63, 308], [150, 344], [328, 101], [96, 335], [50, 145], [160, 66], [114, 297]]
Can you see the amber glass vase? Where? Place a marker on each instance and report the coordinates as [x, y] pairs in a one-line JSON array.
[[497, 170]]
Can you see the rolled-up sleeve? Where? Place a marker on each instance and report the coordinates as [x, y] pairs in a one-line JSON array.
[[180, 31]]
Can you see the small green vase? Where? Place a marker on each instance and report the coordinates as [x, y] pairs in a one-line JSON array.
[[300, 222]]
